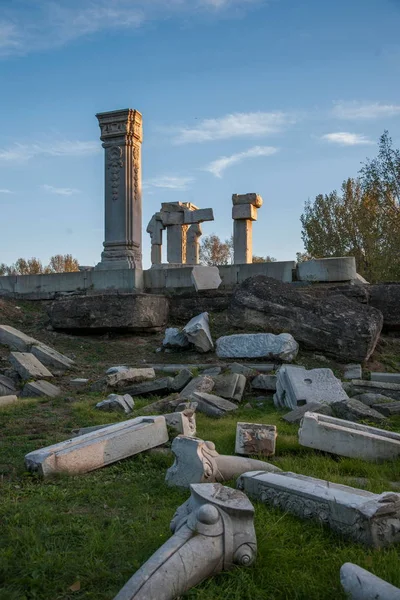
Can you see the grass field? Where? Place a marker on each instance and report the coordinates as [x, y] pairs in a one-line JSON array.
[[83, 537]]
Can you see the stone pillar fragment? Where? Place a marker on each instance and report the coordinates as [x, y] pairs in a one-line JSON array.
[[155, 229], [244, 212], [121, 134], [192, 244]]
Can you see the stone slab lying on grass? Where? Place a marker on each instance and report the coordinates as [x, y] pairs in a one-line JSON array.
[[198, 333], [258, 345], [41, 389], [296, 415], [212, 405], [28, 366], [117, 403], [197, 461], [370, 399], [255, 438], [367, 518], [15, 339], [167, 404], [7, 386], [124, 378], [353, 410], [296, 386], [179, 382], [6, 400], [244, 370], [353, 372], [385, 377], [202, 383], [264, 382], [51, 358], [99, 448], [345, 438], [389, 409], [230, 386], [361, 386], [158, 387], [360, 584]]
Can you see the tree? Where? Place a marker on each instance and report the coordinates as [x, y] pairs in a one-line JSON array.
[[261, 259], [363, 222], [213, 252], [33, 266], [302, 257], [381, 175], [63, 264]]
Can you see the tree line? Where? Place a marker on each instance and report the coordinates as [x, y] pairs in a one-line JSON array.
[[58, 263]]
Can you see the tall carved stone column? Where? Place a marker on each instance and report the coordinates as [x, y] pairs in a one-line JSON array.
[[121, 134]]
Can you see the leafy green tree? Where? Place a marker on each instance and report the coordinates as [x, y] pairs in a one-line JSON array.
[[33, 266], [214, 252], [63, 264]]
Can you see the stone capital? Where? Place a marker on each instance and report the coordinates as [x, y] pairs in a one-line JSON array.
[[120, 127]]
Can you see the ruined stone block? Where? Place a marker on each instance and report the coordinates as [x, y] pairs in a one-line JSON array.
[[255, 438]]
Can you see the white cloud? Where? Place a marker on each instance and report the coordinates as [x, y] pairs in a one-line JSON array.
[[168, 182], [42, 24], [344, 138], [364, 110], [218, 166], [21, 152], [60, 191], [254, 124], [5, 191]]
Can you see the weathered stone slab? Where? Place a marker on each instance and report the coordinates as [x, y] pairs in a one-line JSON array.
[[367, 518], [244, 370], [117, 403], [206, 278], [15, 339], [353, 410], [174, 338], [230, 386], [348, 439], [250, 198], [244, 211], [389, 409], [7, 400], [99, 448], [385, 377], [353, 372], [157, 387], [333, 324], [361, 386], [51, 358], [211, 405], [255, 438], [370, 399], [107, 312], [7, 386], [198, 333], [264, 382], [258, 345], [184, 422], [197, 461], [202, 383], [183, 379], [168, 404], [296, 415], [296, 386], [328, 269], [41, 389], [28, 366], [212, 371], [123, 378], [360, 584]]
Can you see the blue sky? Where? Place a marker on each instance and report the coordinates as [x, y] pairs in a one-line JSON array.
[[282, 97]]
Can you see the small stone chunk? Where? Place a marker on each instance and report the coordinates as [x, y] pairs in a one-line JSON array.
[[28, 366], [6, 400], [255, 438], [157, 387], [183, 378], [184, 422], [202, 383], [78, 383], [212, 371], [118, 369], [264, 382], [296, 415], [115, 402], [353, 410], [353, 372], [7, 386], [124, 378], [198, 333], [41, 389], [174, 338], [211, 405], [230, 386]]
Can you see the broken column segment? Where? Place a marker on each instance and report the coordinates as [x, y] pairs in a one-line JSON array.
[[348, 439], [155, 229], [244, 212], [360, 584], [197, 461], [367, 518], [121, 134], [213, 531], [99, 448]]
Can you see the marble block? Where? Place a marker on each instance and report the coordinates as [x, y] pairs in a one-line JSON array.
[[28, 366], [255, 438], [206, 278], [258, 345]]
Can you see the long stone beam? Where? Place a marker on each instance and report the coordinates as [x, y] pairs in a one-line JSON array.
[[360, 584], [197, 461], [367, 518], [347, 438], [99, 448], [212, 532]]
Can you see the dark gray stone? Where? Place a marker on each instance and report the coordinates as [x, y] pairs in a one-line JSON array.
[[34, 389], [175, 338], [118, 403], [230, 386], [243, 370], [389, 409], [391, 390], [264, 382], [183, 378], [335, 325], [211, 405], [353, 410], [212, 371], [202, 383], [7, 387], [370, 399], [198, 333], [156, 387], [296, 415]]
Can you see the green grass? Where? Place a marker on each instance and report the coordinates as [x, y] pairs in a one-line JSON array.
[[99, 528]]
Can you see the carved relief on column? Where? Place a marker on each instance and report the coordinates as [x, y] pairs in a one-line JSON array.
[[114, 164]]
